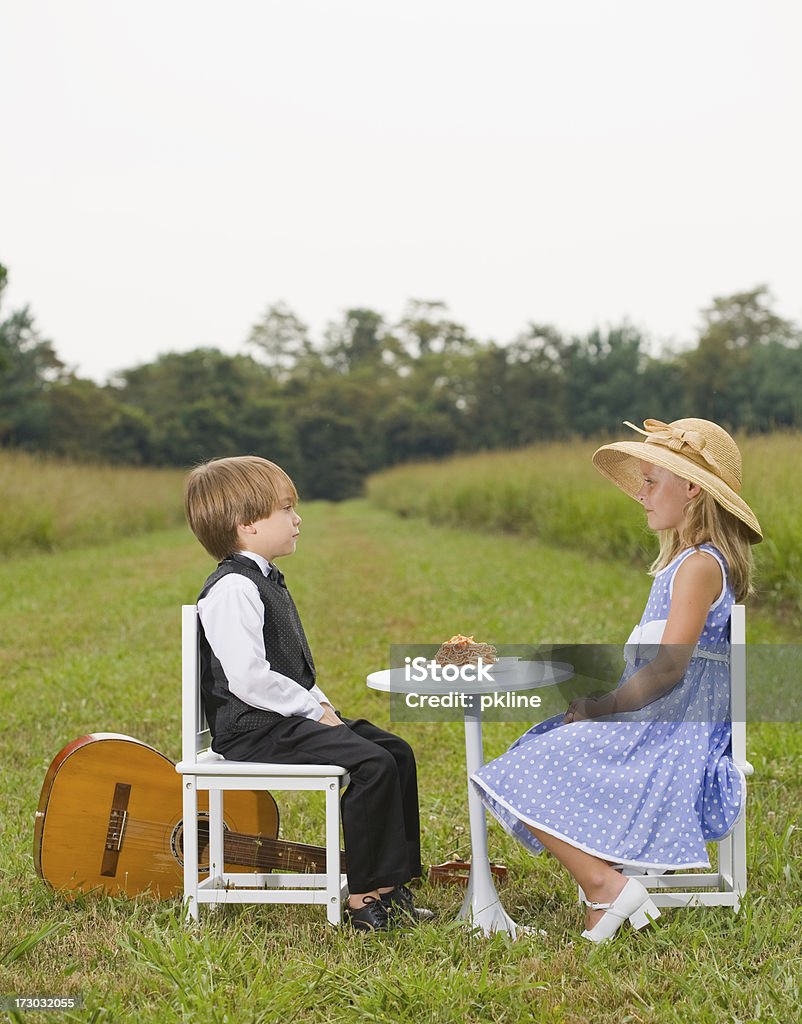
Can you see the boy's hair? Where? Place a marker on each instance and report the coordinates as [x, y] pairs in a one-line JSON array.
[[222, 493], [706, 521]]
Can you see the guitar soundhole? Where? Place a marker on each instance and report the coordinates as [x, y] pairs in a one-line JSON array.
[[177, 841]]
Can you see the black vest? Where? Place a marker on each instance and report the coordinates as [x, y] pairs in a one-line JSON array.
[[286, 648]]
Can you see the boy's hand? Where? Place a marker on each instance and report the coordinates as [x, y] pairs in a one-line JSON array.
[[328, 717]]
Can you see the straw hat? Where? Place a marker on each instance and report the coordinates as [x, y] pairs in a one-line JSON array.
[[696, 450]]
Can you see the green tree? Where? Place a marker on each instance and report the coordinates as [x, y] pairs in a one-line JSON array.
[[361, 343], [282, 341], [719, 372], [602, 374], [537, 384], [201, 403], [775, 388], [411, 432], [424, 328], [332, 463], [28, 365], [88, 421]]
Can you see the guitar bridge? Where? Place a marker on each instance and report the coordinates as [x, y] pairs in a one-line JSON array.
[[114, 836], [116, 829]]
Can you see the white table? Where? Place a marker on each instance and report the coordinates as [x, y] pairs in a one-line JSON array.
[[481, 907]]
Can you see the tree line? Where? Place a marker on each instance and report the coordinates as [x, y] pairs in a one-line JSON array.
[[370, 393]]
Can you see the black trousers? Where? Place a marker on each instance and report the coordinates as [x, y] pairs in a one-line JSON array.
[[381, 824]]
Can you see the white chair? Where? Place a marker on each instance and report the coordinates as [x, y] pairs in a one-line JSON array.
[[203, 769], [729, 881]]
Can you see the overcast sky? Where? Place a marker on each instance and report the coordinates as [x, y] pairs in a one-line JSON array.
[[171, 168]]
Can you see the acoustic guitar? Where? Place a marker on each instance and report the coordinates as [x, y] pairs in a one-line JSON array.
[[110, 819]]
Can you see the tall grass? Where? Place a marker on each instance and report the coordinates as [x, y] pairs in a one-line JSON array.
[[49, 504], [552, 492]]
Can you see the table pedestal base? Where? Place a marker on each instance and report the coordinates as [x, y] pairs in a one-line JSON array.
[[482, 909]]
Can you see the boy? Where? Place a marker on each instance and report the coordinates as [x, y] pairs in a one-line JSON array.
[[259, 685]]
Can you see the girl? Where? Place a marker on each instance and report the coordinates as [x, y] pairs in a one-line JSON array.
[[642, 777]]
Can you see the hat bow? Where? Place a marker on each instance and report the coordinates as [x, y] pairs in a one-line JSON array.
[[675, 438]]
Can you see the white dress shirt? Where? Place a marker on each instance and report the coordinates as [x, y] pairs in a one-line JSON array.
[[233, 619]]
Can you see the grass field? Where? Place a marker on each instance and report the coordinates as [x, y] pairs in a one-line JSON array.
[[91, 643]]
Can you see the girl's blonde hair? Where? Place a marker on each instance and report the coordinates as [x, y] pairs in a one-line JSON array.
[[705, 521], [222, 493]]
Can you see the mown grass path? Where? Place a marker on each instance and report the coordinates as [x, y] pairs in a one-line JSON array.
[[90, 642]]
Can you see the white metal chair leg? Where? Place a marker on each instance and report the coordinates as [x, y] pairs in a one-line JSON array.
[[190, 808], [333, 872], [739, 860], [216, 838], [725, 859]]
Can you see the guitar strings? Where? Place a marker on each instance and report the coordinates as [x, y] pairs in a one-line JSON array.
[[239, 848]]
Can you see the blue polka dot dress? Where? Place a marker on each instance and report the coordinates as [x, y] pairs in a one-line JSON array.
[[649, 788]]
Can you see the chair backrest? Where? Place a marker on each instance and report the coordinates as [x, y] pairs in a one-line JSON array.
[[738, 683], [195, 735]]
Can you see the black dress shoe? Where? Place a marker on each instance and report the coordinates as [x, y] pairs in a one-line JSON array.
[[400, 906], [372, 917]]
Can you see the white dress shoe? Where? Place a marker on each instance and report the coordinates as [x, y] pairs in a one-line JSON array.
[[633, 902]]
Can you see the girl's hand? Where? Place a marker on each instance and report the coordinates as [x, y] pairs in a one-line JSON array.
[[579, 710]]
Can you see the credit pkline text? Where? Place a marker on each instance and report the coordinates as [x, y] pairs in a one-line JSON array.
[[455, 699]]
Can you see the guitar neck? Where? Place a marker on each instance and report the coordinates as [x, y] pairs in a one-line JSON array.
[[273, 854]]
